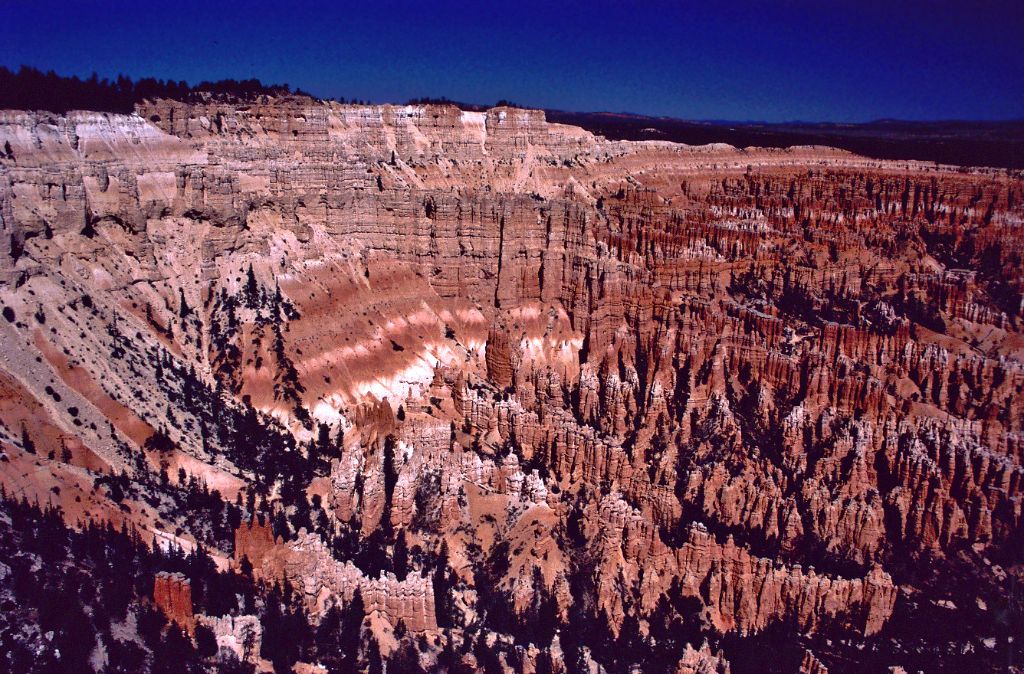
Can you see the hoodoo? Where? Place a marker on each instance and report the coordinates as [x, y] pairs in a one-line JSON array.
[[474, 390]]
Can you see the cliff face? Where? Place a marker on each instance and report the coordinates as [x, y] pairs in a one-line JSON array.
[[172, 594], [622, 375]]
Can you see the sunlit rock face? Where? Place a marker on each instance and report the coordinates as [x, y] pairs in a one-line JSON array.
[[752, 388]]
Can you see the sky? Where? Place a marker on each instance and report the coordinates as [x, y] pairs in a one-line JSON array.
[[773, 61]]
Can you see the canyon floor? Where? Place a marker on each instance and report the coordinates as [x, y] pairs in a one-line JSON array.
[[441, 390]]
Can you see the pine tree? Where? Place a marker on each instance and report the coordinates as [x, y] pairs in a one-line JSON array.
[[374, 664], [252, 289], [26, 441], [351, 629], [400, 557], [183, 309], [442, 582]]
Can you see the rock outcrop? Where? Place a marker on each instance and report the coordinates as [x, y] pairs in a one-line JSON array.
[[240, 635], [172, 593], [307, 565]]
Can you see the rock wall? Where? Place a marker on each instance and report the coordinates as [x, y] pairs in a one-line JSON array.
[[172, 593]]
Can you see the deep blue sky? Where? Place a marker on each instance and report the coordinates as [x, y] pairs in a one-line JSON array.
[[775, 61]]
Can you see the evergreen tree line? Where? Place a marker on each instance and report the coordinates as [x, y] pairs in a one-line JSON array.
[[80, 600], [31, 89], [72, 594]]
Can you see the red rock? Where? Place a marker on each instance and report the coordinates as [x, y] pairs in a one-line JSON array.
[[252, 542], [172, 593]]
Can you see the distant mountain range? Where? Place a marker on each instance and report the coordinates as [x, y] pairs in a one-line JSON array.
[[963, 143]]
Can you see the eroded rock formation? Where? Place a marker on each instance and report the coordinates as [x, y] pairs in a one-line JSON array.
[[309, 566], [542, 373], [172, 593]]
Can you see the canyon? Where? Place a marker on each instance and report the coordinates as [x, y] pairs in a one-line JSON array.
[[545, 401]]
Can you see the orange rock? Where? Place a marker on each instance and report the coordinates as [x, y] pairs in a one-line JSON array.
[[172, 593]]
